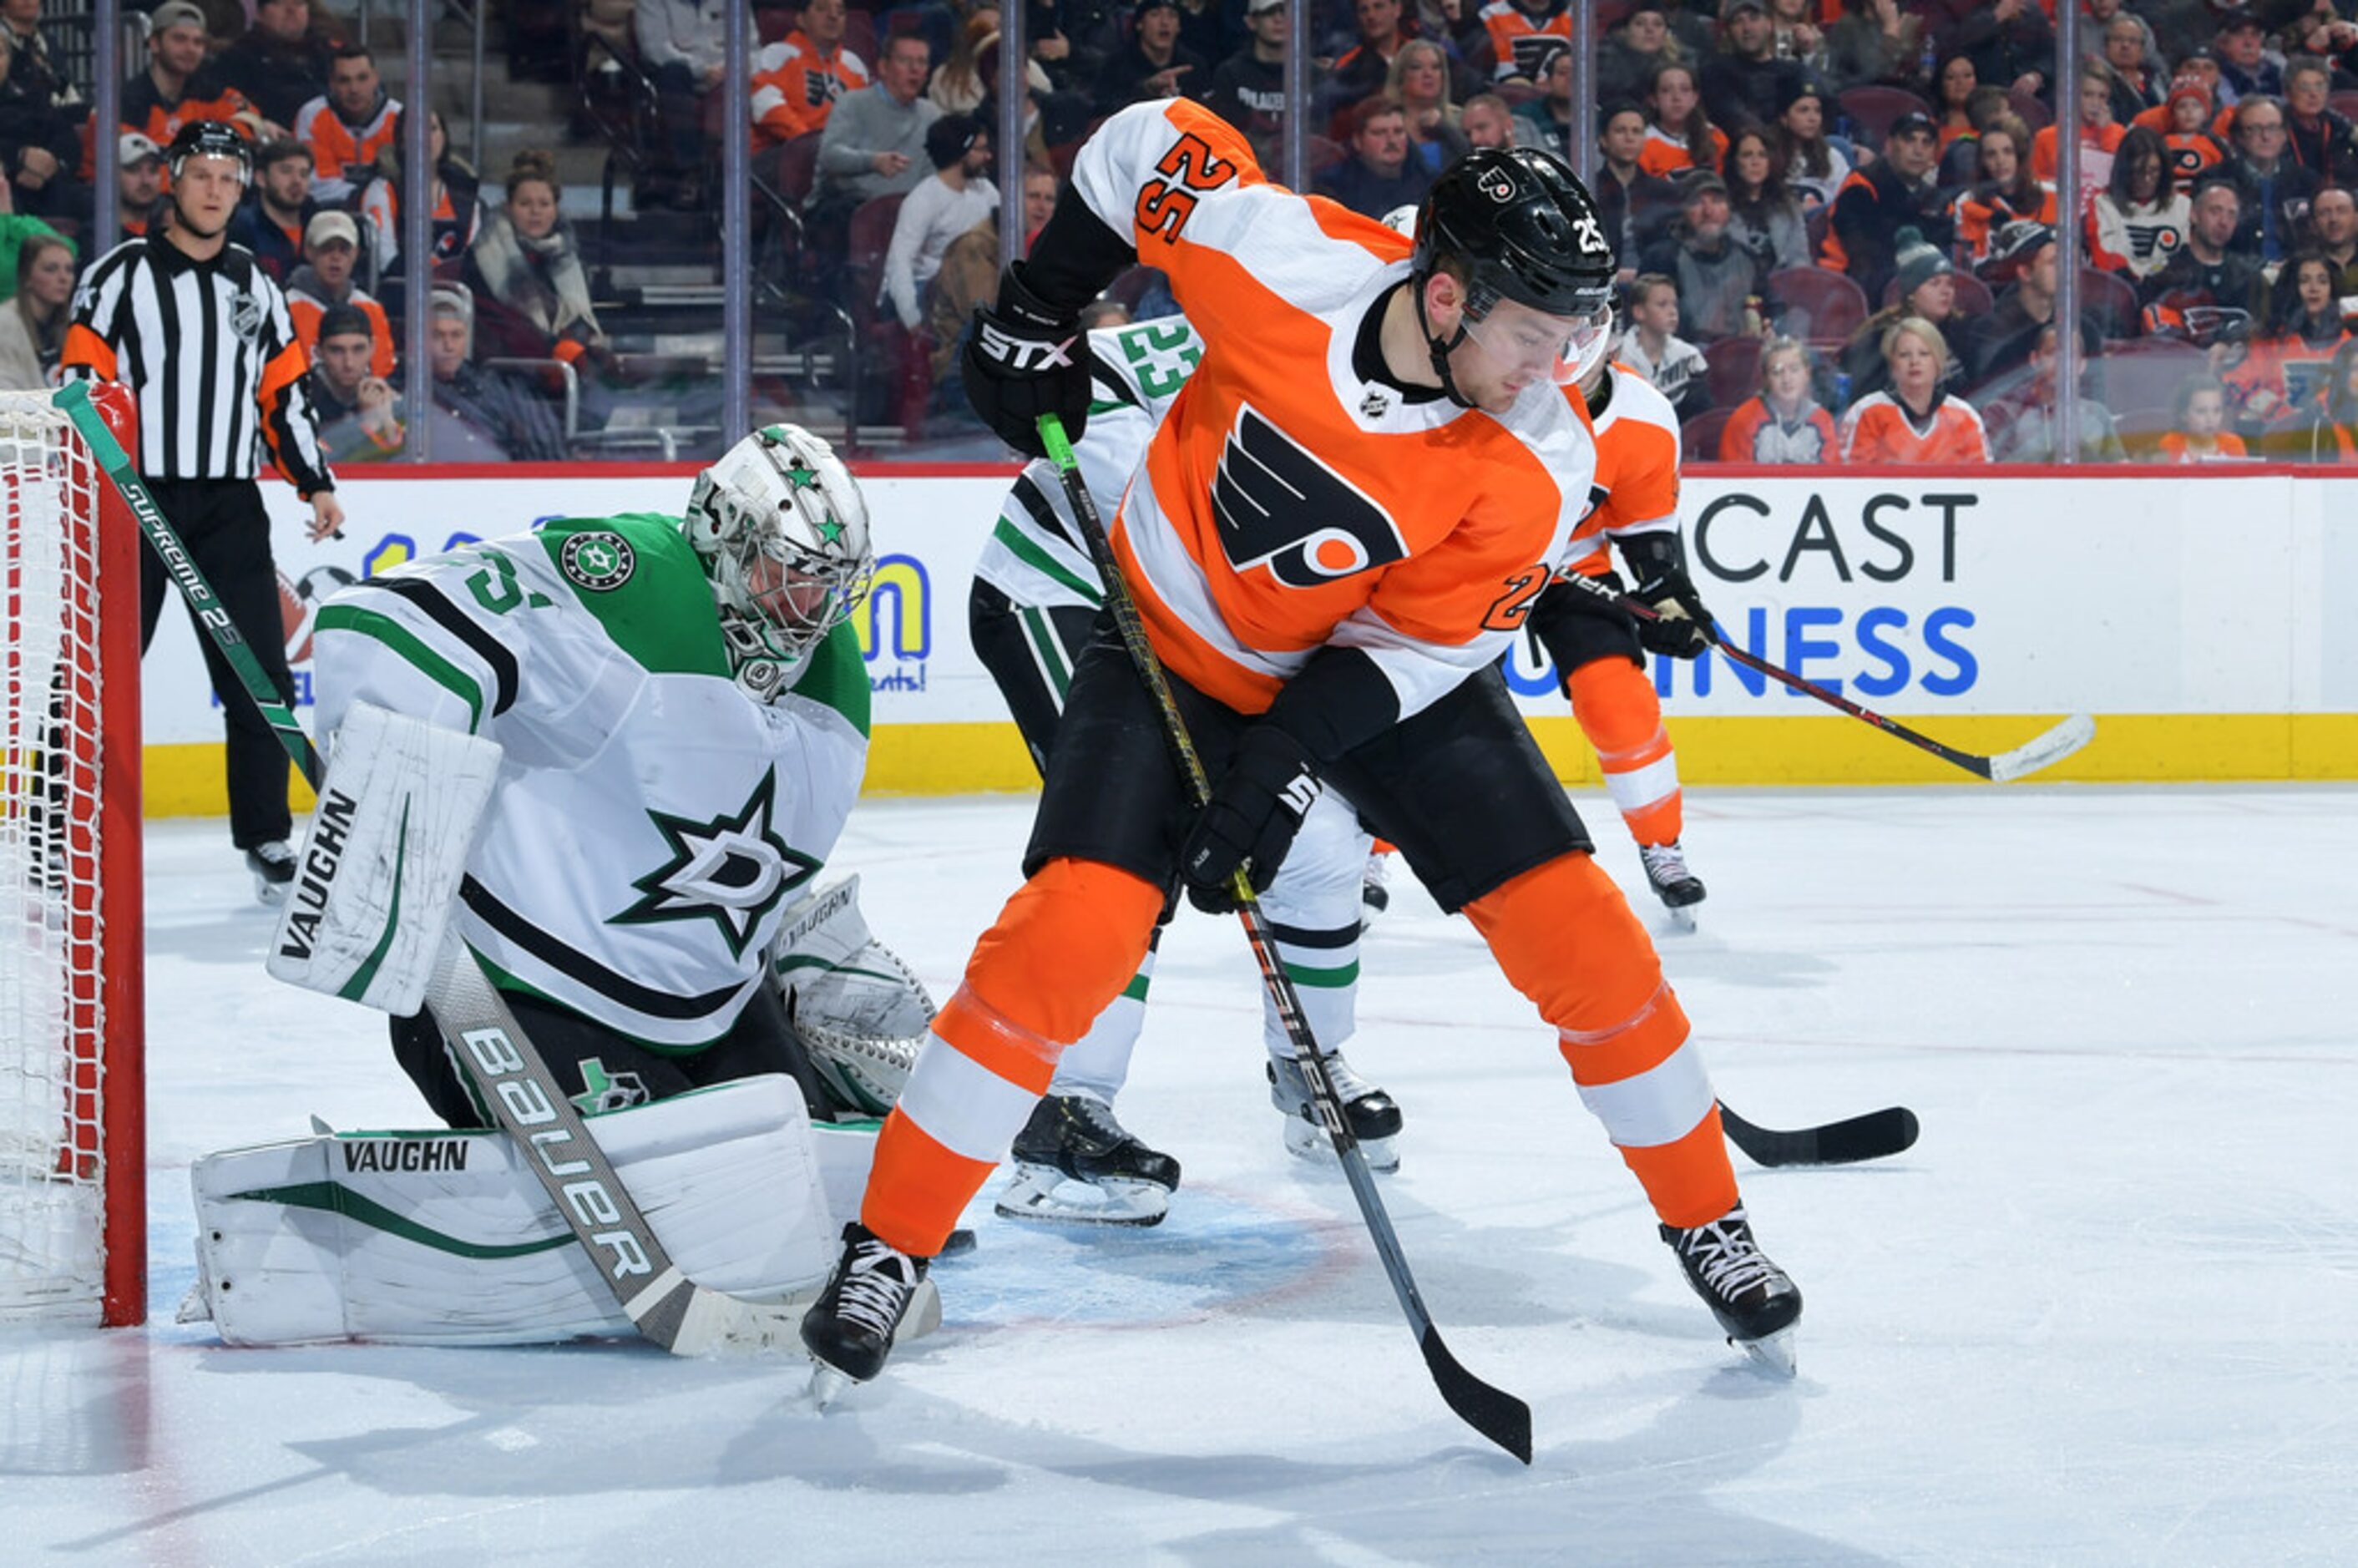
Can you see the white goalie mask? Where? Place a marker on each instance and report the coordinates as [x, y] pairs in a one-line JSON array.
[[783, 532]]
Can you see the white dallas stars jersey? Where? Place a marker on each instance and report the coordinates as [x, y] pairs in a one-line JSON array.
[[1035, 555], [651, 819]]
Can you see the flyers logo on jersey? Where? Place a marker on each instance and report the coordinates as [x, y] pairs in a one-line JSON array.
[[1282, 508]]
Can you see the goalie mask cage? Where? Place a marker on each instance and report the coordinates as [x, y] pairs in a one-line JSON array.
[[72, 1154]]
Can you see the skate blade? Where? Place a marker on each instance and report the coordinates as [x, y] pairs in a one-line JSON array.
[[827, 1385], [1680, 918], [269, 894], [924, 1313], [1772, 1353], [1043, 1195], [1304, 1141]]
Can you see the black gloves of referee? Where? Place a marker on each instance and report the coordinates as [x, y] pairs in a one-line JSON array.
[[1250, 820], [1681, 626], [1026, 358]]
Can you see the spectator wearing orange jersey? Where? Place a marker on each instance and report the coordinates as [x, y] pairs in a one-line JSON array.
[[1783, 422], [2099, 136], [178, 87], [331, 244], [797, 79], [1524, 35], [1915, 422], [2004, 190], [279, 62], [347, 126], [1679, 132], [2199, 413]]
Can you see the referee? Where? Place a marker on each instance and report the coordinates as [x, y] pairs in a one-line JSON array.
[[199, 334]]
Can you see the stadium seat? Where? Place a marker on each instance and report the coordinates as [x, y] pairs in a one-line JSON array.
[[2032, 109], [2345, 104], [1872, 109], [1734, 373], [1820, 305], [2111, 301], [1699, 436]]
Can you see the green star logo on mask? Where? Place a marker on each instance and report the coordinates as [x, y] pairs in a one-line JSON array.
[[802, 476]]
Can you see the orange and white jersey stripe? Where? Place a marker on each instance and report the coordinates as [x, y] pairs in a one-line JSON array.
[[1637, 485], [1281, 509]]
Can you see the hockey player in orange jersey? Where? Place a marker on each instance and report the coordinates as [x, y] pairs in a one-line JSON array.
[[1599, 650], [1343, 522]]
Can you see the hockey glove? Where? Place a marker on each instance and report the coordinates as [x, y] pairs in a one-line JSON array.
[[1681, 626], [1023, 359], [1250, 820]]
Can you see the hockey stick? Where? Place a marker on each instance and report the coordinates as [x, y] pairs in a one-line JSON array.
[[2041, 751], [1495, 1413], [1877, 1135], [516, 1082]]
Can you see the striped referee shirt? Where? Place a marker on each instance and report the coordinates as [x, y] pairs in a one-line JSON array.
[[208, 349]]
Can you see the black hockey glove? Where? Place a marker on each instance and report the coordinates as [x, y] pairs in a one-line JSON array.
[[1681, 626], [1023, 359], [1250, 820]]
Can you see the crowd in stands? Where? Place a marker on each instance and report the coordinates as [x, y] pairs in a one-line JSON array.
[[1837, 219]]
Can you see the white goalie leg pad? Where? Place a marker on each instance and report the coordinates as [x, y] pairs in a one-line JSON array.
[[1315, 898], [862, 1013], [446, 1238], [380, 867]]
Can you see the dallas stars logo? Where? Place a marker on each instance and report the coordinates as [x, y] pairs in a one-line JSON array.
[[599, 560], [732, 870]]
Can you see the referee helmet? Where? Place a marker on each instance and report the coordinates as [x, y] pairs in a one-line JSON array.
[[211, 138]]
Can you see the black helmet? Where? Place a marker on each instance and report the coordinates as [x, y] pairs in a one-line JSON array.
[[1525, 228], [210, 138]]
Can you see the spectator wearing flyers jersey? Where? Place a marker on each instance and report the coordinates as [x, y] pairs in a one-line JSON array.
[[797, 79], [2139, 221], [178, 86], [1915, 422], [347, 126], [1524, 36]]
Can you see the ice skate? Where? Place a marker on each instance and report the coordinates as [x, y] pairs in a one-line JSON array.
[[273, 866], [1678, 888], [1375, 1118], [1753, 1299], [850, 1329], [1075, 1164]]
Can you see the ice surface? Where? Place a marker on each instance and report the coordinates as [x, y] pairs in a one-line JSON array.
[[2101, 1313]]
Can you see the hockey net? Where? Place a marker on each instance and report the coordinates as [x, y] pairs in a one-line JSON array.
[[72, 1161]]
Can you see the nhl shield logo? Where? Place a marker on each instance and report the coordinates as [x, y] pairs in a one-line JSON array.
[[600, 561], [245, 317]]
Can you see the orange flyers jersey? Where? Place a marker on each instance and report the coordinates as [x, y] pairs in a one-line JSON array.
[[1637, 485], [1286, 504], [1521, 46], [1879, 430]]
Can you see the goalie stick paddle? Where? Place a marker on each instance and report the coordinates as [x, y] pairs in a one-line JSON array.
[[1878, 1135], [1495, 1413], [2041, 751], [514, 1080]]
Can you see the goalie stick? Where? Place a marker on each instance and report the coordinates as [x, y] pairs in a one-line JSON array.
[[524, 1095], [1495, 1413], [2041, 751]]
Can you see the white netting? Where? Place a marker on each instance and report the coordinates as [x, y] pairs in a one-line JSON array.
[[52, 1160]]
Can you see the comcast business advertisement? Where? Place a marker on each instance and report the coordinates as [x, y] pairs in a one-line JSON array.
[[2010, 596]]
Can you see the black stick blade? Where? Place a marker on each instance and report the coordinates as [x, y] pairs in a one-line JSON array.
[[1494, 1412], [1878, 1135]]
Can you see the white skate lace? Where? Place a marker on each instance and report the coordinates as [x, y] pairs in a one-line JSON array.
[[873, 1291], [1664, 862], [1728, 1260], [1095, 1117]]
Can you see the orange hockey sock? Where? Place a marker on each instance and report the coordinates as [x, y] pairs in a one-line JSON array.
[[1614, 702]]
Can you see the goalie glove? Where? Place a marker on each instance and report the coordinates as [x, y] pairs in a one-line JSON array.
[[1026, 358], [860, 1013], [1679, 625], [1250, 820]]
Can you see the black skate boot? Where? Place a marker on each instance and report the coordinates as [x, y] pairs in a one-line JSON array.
[[1075, 1164], [273, 866], [1678, 888], [1375, 1117], [1374, 896], [1754, 1299], [849, 1329]]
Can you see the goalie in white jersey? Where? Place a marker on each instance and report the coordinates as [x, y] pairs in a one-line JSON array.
[[678, 712]]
